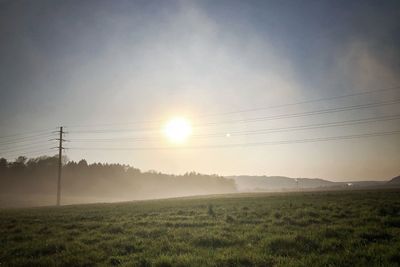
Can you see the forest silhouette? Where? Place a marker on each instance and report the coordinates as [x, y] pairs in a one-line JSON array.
[[38, 176]]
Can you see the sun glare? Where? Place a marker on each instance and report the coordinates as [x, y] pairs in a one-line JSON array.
[[177, 130]]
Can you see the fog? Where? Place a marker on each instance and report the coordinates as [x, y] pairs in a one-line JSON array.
[[33, 182]]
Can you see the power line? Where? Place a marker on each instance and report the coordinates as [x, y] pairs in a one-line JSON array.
[[23, 143], [257, 119], [309, 113], [296, 141], [260, 131], [26, 145], [25, 139], [149, 129], [309, 126], [21, 148], [252, 109], [306, 101], [33, 139], [25, 133]]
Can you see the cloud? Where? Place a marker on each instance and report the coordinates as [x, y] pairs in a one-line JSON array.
[[365, 68]]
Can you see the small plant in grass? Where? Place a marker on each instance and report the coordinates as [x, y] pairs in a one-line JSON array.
[[229, 219], [211, 210], [277, 215]]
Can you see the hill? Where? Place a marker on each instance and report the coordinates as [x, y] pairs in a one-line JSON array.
[[395, 180], [276, 183], [246, 183]]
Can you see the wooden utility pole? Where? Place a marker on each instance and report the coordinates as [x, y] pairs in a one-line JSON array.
[[60, 148]]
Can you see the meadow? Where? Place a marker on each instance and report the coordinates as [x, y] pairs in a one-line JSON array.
[[342, 228]]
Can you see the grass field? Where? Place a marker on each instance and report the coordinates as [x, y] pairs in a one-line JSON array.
[[352, 228]]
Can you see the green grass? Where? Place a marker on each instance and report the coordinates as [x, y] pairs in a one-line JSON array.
[[353, 228]]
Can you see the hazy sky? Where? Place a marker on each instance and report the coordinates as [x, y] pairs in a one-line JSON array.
[[82, 63]]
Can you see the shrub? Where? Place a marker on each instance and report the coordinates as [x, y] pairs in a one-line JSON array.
[[229, 219], [211, 210]]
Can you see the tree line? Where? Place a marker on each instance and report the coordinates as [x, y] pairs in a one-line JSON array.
[[103, 181]]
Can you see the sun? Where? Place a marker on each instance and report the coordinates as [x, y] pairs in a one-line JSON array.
[[177, 130]]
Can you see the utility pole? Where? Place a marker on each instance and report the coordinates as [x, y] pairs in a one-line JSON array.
[[60, 148]]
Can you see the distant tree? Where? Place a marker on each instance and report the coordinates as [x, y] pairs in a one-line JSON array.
[[82, 163], [21, 160], [3, 163]]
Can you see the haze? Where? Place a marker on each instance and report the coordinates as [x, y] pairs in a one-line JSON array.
[[112, 66]]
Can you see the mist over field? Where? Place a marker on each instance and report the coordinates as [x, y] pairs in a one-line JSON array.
[[33, 182]]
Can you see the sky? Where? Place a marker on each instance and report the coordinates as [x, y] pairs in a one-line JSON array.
[[119, 70]]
